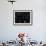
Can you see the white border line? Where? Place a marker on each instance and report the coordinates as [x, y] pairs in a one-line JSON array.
[[31, 14]]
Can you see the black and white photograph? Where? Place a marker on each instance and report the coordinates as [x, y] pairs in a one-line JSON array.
[[22, 17]]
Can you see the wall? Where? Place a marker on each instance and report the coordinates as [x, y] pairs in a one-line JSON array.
[[37, 31]]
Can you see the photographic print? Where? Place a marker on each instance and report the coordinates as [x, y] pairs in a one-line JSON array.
[[22, 17]]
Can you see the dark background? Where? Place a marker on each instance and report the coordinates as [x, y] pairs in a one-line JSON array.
[[22, 17]]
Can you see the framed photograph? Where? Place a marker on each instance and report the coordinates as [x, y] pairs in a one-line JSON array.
[[22, 17]]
